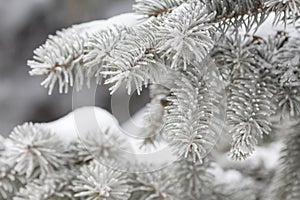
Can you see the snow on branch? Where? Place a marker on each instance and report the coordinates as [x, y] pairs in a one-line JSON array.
[[60, 59], [133, 61], [155, 8], [190, 114], [35, 151], [185, 35], [97, 181]]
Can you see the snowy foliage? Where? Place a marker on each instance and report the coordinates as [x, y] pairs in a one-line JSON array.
[[60, 58], [195, 180], [9, 182], [286, 183], [154, 185], [285, 9], [55, 186], [35, 151], [185, 38], [133, 61], [99, 47], [234, 57], [100, 182], [208, 73], [99, 145], [189, 117], [155, 8]]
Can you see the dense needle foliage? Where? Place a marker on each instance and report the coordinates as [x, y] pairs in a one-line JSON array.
[[209, 75]]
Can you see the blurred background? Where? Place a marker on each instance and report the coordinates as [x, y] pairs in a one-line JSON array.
[[24, 25]]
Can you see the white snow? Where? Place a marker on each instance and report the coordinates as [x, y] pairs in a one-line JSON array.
[[127, 19], [264, 157], [267, 28], [83, 120]]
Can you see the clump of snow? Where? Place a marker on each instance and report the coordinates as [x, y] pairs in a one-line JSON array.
[[81, 121], [269, 28], [265, 159], [126, 19]]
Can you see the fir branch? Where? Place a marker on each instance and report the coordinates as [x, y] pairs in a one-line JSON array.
[[35, 151], [100, 182], [185, 35], [251, 13], [158, 185], [155, 8], [227, 10], [286, 183], [249, 110], [60, 59], [133, 62], [190, 117], [288, 101], [277, 53], [288, 61], [55, 186], [229, 15], [99, 46], [269, 48], [99, 145], [153, 120], [195, 180], [9, 180], [234, 57], [286, 70], [284, 9], [255, 71], [250, 91]]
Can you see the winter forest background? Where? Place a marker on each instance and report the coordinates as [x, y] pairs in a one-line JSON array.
[[24, 25]]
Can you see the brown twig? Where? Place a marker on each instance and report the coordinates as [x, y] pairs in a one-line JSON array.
[[258, 10], [159, 12]]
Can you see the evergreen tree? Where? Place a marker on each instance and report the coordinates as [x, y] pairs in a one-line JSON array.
[[201, 59]]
